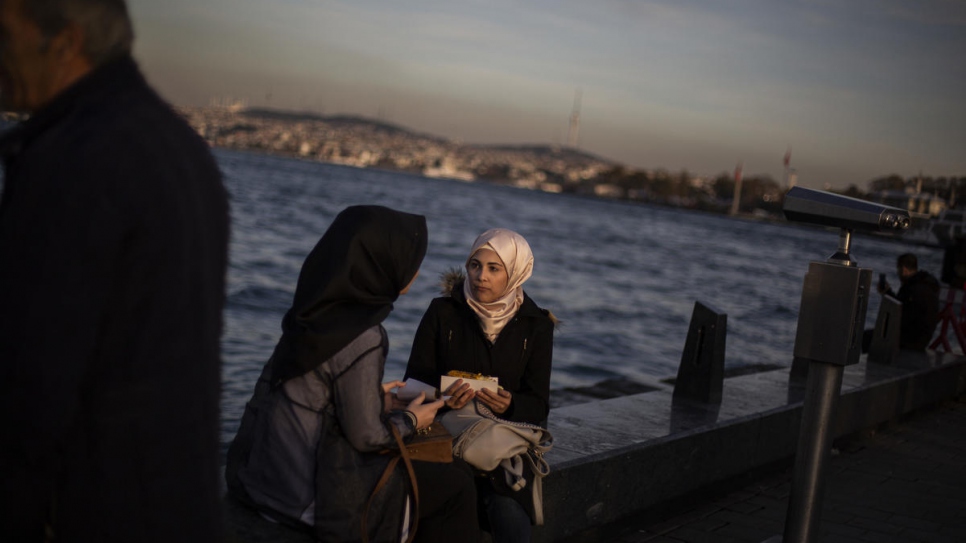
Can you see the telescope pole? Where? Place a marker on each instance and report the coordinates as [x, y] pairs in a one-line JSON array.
[[842, 255], [814, 442], [815, 436]]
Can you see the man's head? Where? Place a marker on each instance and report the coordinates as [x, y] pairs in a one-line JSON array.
[[47, 45], [907, 265]]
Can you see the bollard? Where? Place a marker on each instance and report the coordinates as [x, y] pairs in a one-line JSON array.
[[884, 348], [701, 372]]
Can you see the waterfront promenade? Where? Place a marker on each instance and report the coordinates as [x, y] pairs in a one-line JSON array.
[[645, 467], [902, 482]]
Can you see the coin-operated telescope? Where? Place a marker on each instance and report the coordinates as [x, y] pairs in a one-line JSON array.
[[849, 214], [836, 293], [831, 320], [828, 209]]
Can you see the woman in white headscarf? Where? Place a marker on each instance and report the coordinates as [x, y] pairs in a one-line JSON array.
[[485, 323]]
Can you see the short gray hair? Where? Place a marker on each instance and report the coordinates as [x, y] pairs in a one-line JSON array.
[[106, 24]]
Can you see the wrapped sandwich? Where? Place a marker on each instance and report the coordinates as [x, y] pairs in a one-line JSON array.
[[477, 381]]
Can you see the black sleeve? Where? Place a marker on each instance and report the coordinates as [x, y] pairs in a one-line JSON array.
[[531, 403], [423, 360]]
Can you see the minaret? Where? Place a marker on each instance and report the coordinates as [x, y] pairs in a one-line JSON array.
[[789, 182], [736, 198], [574, 122]]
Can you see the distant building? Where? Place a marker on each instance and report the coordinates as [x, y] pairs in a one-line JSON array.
[[927, 204], [607, 190]]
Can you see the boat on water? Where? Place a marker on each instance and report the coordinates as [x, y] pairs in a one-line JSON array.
[[939, 231], [919, 231], [949, 226], [931, 223]]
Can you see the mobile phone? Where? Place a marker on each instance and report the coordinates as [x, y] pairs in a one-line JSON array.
[[882, 281]]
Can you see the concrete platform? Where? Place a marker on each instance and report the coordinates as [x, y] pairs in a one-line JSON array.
[[901, 482], [617, 458]]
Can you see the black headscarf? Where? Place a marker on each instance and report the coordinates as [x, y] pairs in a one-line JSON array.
[[348, 284]]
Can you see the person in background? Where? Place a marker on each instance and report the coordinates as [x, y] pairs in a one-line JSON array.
[[114, 227], [309, 449], [919, 295], [485, 323]]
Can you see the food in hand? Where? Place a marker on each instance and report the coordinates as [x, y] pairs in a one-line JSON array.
[[477, 381], [469, 375]]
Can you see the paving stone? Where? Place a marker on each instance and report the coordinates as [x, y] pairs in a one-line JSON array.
[[690, 535], [863, 513], [834, 538], [956, 531], [958, 536], [744, 507], [876, 537], [905, 483], [755, 534], [876, 526], [848, 530]]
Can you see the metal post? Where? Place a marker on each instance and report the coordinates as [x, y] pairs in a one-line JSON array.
[[830, 322], [814, 442], [842, 255], [821, 396]]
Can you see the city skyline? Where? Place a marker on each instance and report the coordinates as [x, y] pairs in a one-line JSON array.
[[857, 91]]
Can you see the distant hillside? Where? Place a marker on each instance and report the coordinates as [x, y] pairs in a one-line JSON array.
[[344, 121], [550, 151], [352, 121]]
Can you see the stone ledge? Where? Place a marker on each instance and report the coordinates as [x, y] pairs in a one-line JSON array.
[[618, 457]]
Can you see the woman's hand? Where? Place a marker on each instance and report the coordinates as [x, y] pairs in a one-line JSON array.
[[425, 412], [389, 400], [498, 401], [460, 394]]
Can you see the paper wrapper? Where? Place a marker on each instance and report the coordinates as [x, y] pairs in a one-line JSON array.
[[412, 389], [476, 384]]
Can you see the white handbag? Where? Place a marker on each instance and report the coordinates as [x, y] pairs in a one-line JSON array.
[[487, 442]]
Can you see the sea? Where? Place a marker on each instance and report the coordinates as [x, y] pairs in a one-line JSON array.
[[621, 277]]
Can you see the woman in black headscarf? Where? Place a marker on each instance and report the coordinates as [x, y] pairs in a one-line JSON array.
[[307, 452]]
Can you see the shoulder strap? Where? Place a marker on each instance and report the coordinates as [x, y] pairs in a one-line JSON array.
[[414, 511]]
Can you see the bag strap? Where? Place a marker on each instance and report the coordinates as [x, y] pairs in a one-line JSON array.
[[414, 510]]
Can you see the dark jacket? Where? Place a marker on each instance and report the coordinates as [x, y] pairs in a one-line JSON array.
[[449, 337], [919, 295], [113, 251], [307, 451]]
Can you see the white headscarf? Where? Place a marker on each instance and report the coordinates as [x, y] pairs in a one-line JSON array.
[[517, 258]]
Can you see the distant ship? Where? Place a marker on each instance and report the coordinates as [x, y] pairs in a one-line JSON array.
[[948, 226], [940, 231], [447, 169]]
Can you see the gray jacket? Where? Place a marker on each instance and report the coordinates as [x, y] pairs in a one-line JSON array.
[[307, 451]]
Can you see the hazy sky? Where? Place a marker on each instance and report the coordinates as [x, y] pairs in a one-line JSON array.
[[858, 89]]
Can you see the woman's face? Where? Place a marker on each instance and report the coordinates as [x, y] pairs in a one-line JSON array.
[[487, 276]]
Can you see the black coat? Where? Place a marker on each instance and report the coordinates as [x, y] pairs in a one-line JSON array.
[[919, 295], [449, 337], [113, 251]]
